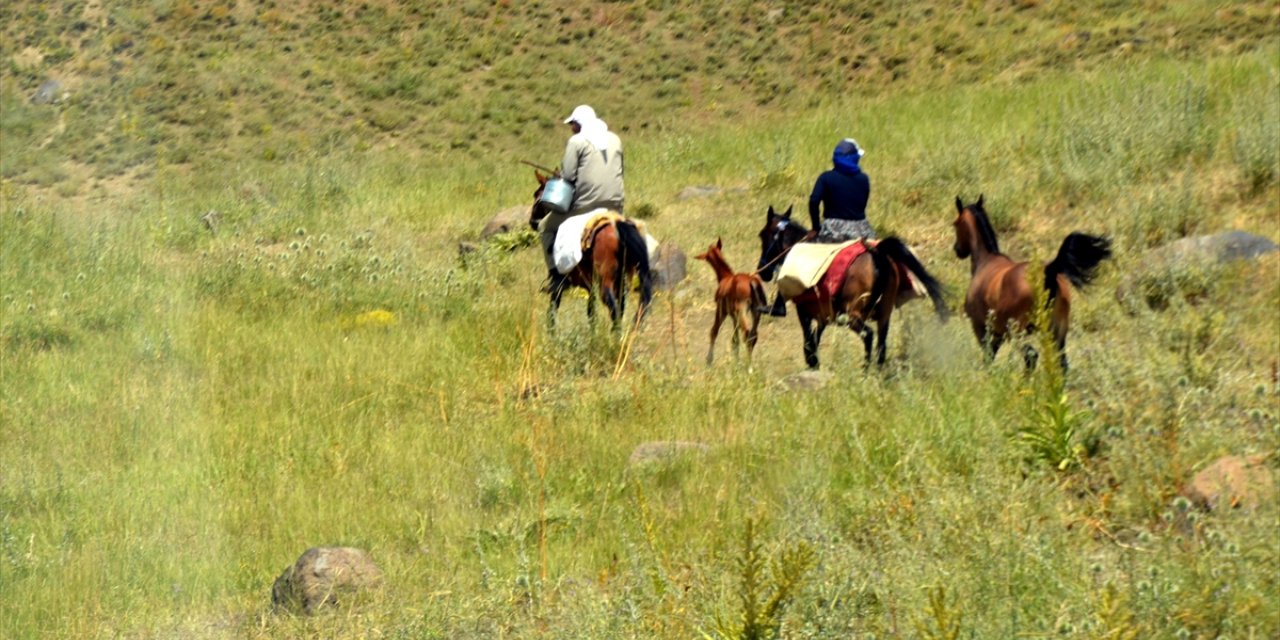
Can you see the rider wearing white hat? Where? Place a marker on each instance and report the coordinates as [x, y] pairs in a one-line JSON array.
[[593, 164]]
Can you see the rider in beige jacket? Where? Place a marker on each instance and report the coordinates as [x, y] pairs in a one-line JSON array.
[[593, 164]]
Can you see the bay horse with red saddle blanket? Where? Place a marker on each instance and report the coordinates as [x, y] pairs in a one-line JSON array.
[[612, 255], [1001, 296], [862, 288], [740, 295]]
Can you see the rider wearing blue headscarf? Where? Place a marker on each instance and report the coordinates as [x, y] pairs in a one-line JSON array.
[[842, 193]]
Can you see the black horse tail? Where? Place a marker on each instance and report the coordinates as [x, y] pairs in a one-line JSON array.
[[1078, 259], [897, 250], [633, 250]]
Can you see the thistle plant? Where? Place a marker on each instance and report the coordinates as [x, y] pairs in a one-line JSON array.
[[1052, 432], [763, 604]]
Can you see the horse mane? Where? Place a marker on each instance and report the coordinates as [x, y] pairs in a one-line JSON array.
[[985, 231]]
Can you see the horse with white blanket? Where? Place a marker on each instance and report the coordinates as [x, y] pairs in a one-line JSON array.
[[599, 251]]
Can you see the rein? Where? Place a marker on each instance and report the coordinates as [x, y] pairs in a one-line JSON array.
[[775, 259]]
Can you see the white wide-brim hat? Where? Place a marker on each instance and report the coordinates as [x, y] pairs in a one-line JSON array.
[[581, 113]]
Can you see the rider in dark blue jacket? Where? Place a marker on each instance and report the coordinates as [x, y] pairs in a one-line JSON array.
[[842, 192]]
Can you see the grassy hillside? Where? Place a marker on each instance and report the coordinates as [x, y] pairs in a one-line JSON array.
[[147, 84], [183, 411]]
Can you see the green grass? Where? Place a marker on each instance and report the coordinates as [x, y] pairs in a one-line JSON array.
[[184, 412]]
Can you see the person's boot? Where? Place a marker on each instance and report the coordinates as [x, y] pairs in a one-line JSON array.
[[779, 309]]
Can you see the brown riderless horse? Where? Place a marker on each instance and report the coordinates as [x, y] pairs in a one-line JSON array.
[[1000, 296]]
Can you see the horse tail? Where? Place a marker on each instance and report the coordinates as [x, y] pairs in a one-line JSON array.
[[882, 265], [1078, 259], [897, 250], [634, 251]]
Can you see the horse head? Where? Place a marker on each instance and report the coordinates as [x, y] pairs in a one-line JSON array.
[[539, 210], [973, 229], [777, 237], [716, 249]]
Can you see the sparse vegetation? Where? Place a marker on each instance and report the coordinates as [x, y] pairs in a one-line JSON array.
[[234, 323]]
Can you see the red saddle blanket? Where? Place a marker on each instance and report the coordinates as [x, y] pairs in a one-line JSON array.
[[829, 286]]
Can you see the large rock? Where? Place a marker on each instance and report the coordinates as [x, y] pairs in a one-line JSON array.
[[507, 220], [324, 576], [1187, 269], [1217, 248], [1233, 481], [668, 266]]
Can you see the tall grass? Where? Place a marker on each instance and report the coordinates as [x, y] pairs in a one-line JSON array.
[[185, 412]]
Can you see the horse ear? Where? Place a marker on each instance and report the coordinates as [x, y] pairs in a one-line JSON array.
[[788, 213], [719, 245], [772, 213], [959, 204], [541, 178], [979, 199]]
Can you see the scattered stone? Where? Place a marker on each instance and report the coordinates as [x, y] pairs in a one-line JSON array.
[[697, 191], [1233, 481], [668, 266], [510, 219], [324, 576], [809, 380], [47, 93], [211, 219], [664, 451]]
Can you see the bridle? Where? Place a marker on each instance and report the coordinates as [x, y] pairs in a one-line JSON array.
[[773, 244]]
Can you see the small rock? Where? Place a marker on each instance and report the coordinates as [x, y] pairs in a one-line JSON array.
[[809, 380], [697, 191], [663, 451], [510, 219], [211, 219], [47, 93], [324, 576], [1233, 481]]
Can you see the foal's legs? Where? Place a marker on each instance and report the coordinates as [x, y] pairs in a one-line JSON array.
[[715, 332], [750, 326]]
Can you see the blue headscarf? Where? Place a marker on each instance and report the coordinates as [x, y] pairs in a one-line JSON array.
[[846, 156]]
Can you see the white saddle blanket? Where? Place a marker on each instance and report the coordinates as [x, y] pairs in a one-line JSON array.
[[805, 265], [566, 252]]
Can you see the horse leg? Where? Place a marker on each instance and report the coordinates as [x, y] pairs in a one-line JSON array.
[[591, 305], [715, 332], [1030, 357], [882, 341], [557, 293], [868, 340], [994, 342], [610, 301], [753, 332], [812, 336]]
